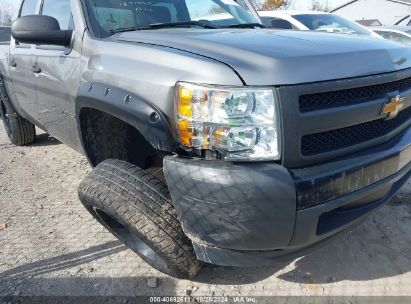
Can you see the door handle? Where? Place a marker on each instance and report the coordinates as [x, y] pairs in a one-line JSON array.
[[36, 69], [13, 63]]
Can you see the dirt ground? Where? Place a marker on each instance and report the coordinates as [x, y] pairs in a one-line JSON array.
[[52, 246]]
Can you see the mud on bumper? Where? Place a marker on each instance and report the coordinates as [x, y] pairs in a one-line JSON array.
[[250, 214]]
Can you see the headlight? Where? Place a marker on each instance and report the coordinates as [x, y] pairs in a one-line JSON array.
[[240, 123]]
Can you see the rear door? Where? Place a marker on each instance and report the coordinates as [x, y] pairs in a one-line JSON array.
[[21, 65], [57, 77]]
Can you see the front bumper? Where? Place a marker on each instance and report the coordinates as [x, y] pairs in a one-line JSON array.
[[252, 214]]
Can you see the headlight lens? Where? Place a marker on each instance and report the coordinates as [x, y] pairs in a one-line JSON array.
[[241, 124]]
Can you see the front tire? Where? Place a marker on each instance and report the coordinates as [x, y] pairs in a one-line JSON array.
[[136, 207]]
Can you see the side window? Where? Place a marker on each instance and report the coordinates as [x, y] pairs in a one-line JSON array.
[[28, 8], [59, 9]]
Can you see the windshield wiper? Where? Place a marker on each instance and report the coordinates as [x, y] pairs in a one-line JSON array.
[[125, 29], [165, 25], [184, 23], [247, 25]]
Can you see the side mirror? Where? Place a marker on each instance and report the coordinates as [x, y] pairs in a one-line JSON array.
[[37, 29]]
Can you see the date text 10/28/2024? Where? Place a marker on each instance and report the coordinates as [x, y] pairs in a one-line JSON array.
[[200, 299]]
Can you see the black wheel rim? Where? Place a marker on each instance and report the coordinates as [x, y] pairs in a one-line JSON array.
[[129, 237], [6, 120]]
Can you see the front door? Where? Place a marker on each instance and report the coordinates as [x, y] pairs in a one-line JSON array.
[[57, 78]]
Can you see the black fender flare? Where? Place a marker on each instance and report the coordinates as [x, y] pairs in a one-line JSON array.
[[151, 122]]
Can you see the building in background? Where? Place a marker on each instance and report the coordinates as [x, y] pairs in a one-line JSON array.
[[372, 22], [387, 12]]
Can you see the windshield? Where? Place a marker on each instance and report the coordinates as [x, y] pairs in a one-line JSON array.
[[108, 16], [332, 24]]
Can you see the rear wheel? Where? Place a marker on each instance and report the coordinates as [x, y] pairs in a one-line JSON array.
[[19, 130], [136, 207]]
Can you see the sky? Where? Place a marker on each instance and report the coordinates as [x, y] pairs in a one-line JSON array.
[[15, 3]]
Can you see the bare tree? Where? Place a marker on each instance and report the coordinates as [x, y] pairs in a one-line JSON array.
[[268, 5], [322, 6]]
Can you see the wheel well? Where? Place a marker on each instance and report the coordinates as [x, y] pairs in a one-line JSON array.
[[107, 137]]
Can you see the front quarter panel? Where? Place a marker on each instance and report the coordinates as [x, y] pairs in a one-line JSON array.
[[150, 72]]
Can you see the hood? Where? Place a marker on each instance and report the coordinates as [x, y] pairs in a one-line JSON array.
[[269, 57]]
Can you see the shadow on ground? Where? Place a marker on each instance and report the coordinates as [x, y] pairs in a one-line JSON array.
[[99, 287], [26, 279], [43, 140], [64, 261], [209, 274], [355, 257]]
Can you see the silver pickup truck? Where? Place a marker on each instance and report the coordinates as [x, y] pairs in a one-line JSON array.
[[213, 139]]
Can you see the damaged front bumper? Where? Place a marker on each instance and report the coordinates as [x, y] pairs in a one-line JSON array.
[[254, 214]]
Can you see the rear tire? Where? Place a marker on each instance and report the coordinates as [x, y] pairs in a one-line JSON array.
[[136, 207], [19, 130]]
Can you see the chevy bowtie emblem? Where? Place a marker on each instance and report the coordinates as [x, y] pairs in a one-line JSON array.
[[393, 107]]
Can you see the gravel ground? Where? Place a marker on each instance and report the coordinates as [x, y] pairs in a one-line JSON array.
[[52, 246]]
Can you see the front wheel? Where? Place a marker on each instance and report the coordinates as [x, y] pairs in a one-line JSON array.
[[136, 207]]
